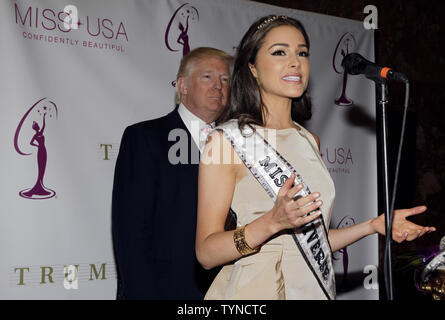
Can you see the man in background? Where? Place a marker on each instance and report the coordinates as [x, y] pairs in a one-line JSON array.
[[156, 186]]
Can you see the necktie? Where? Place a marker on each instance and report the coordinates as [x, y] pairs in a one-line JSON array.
[[203, 133]]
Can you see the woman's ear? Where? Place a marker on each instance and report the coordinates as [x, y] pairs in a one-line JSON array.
[[253, 70]]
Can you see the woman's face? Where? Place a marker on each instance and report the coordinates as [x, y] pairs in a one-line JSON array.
[[282, 64]]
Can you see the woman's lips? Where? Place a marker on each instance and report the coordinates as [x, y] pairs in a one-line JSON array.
[[292, 78]]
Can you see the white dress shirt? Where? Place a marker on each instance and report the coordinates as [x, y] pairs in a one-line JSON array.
[[196, 126]]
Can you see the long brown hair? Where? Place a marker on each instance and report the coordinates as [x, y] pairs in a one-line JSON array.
[[245, 102]]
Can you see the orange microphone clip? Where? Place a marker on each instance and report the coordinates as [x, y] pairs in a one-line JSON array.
[[384, 72]]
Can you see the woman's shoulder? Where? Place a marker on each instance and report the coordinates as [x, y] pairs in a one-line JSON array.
[[230, 124], [316, 138], [311, 134], [232, 129]]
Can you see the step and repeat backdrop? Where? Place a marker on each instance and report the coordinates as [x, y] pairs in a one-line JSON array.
[[74, 74]]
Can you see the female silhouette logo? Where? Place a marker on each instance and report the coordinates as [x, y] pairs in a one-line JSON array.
[[345, 222], [182, 16], [184, 37], [40, 110], [345, 45]]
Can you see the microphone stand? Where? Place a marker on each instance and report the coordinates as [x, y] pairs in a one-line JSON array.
[[382, 95], [354, 63]]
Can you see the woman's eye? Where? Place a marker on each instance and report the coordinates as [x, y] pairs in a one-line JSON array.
[[278, 53], [303, 54]]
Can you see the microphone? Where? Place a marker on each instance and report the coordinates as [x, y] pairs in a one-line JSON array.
[[354, 63]]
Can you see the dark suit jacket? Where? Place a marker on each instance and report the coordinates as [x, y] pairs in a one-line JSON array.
[[154, 215]]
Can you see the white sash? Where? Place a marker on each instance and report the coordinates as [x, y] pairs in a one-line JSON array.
[[272, 170]]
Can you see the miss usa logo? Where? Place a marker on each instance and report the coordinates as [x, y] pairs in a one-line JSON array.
[[177, 33], [345, 45], [29, 139], [66, 20], [345, 222], [338, 160]]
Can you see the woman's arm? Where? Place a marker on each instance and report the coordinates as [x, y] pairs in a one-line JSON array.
[[402, 229], [216, 185], [340, 238], [187, 25], [32, 140], [43, 127]]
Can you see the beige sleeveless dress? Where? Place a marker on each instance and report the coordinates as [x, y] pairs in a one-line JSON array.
[[278, 271]]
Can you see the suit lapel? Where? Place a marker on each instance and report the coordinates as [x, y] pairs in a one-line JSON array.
[[174, 121]]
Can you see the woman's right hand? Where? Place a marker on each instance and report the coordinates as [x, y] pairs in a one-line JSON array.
[[288, 213]]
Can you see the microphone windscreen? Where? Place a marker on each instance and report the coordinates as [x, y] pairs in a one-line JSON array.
[[354, 63]]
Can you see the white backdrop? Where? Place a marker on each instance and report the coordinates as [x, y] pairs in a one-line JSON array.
[[116, 69]]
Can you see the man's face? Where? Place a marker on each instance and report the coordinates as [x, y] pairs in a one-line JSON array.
[[205, 88]]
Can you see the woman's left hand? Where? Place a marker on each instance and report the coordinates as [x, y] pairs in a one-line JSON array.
[[402, 229]]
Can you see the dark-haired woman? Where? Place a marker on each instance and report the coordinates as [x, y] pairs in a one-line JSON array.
[[265, 257]]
